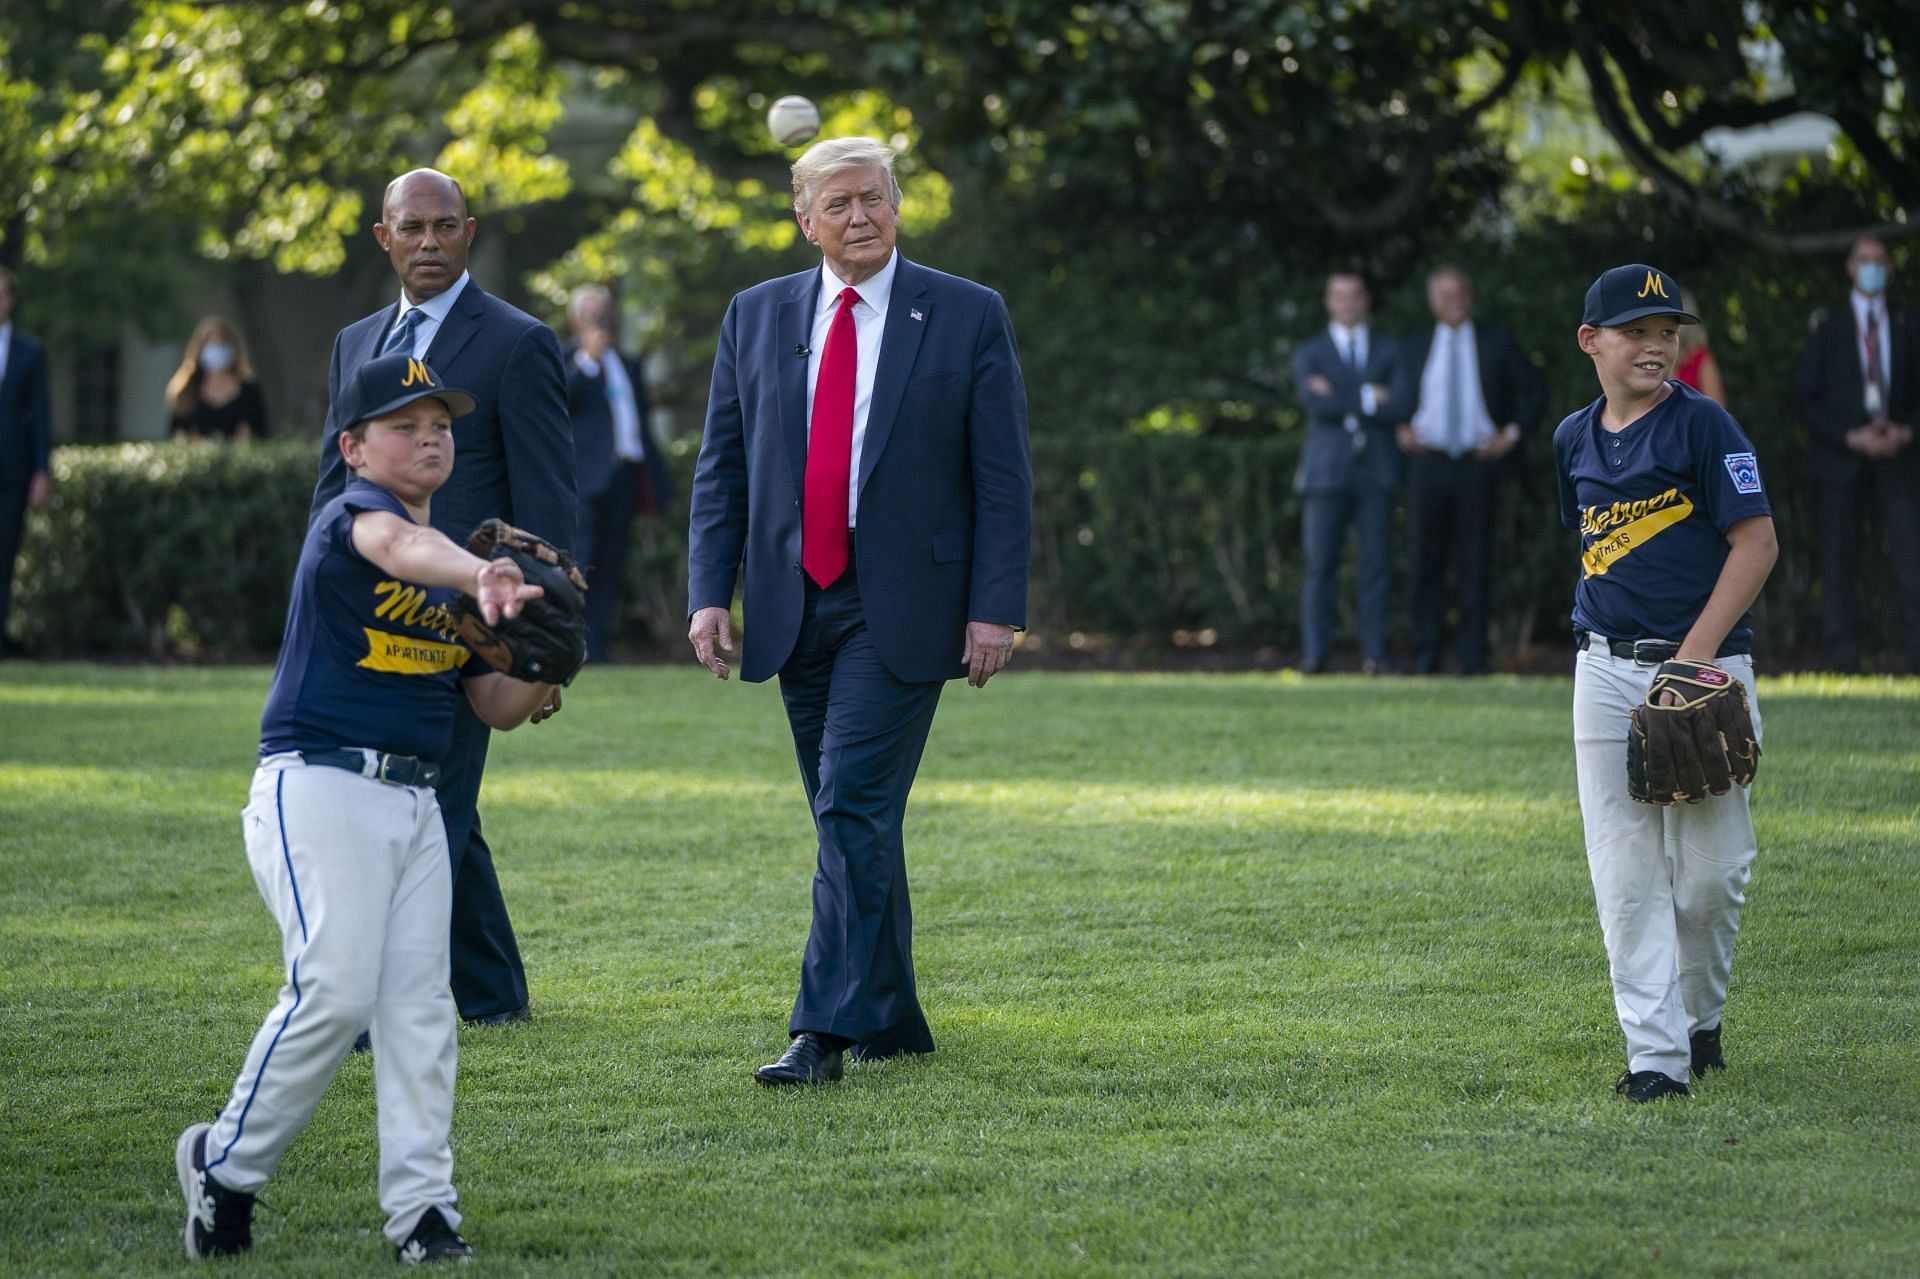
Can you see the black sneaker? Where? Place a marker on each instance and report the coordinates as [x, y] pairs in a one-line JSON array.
[[1706, 1051], [1639, 1086], [432, 1240], [219, 1221]]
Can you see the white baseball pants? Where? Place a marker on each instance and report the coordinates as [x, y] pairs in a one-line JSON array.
[[1669, 882], [356, 872]]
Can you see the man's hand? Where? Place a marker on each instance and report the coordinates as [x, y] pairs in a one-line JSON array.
[[1875, 439], [1500, 444], [704, 628], [989, 648], [548, 708], [1381, 392], [1319, 385], [39, 489], [1409, 442], [499, 587]]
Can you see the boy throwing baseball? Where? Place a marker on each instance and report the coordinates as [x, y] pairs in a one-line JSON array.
[[343, 831], [1676, 538]]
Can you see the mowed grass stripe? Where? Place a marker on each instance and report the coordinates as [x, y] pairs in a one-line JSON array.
[[1231, 974]]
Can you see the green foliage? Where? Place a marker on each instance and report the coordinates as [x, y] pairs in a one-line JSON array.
[[1234, 976], [165, 549], [1157, 188], [1142, 541], [688, 233]]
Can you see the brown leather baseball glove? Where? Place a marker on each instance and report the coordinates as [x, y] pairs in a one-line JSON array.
[[1701, 745]]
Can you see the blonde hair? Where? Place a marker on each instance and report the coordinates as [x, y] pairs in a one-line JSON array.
[[183, 388], [836, 155]]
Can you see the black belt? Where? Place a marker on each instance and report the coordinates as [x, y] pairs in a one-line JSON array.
[[399, 770], [1633, 650], [1648, 651]]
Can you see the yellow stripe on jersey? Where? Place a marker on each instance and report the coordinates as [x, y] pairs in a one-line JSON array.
[[1600, 556], [405, 655]]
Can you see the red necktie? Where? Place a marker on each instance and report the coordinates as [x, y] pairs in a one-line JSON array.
[[823, 512], [1874, 378]]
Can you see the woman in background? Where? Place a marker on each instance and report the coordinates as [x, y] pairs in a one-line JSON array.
[[212, 395], [1697, 367]]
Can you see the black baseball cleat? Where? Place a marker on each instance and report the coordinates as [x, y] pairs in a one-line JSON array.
[[1641, 1086], [1706, 1051], [363, 1042], [219, 1221], [432, 1240], [808, 1060]]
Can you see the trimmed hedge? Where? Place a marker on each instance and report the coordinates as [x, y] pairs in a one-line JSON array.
[[1141, 544], [176, 549]]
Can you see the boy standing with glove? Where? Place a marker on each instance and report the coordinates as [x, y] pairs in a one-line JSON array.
[[1676, 539]]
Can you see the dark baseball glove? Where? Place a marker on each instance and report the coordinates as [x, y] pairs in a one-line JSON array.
[[546, 642], [1703, 745]]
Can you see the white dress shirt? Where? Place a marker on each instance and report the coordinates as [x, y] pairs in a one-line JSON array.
[[1453, 354], [6, 346], [432, 312], [869, 324], [1863, 306], [629, 443], [1351, 343]]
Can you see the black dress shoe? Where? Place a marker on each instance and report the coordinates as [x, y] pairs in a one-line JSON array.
[[522, 1013], [1706, 1051], [364, 1043], [808, 1060]]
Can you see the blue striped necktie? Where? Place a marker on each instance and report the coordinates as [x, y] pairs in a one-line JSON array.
[[400, 341], [1457, 392]]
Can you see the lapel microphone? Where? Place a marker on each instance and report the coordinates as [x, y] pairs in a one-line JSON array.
[[803, 350]]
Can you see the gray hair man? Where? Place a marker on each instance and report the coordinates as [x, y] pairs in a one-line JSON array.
[[865, 461]]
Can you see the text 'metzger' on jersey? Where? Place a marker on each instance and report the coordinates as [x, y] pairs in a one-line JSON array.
[[1652, 504], [367, 661]]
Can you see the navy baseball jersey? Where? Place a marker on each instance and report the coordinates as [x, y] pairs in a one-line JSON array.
[[1652, 504], [367, 661]]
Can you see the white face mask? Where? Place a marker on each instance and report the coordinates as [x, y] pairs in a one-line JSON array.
[[216, 357]]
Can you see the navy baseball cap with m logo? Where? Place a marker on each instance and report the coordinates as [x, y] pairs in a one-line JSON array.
[[392, 382], [1633, 293]]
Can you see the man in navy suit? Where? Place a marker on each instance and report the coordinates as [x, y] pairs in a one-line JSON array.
[[866, 457], [513, 458], [25, 430], [1355, 387], [1478, 393], [1858, 391], [620, 465]]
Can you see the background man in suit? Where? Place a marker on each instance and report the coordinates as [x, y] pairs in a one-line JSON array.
[[513, 457], [25, 430], [1477, 391], [866, 455], [1354, 386], [1858, 392], [618, 461]]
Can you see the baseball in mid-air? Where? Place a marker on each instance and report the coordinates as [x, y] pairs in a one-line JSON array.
[[793, 120]]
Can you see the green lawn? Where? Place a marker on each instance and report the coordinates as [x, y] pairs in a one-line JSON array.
[[1231, 975]]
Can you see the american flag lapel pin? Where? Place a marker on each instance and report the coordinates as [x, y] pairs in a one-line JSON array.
[[914, 311]]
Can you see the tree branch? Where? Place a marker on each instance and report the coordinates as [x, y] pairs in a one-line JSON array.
[[1613, 116], [1413, 183]]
